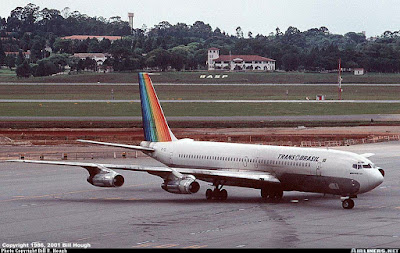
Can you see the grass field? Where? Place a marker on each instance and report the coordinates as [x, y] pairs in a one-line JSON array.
[[198, 92], [194, 109], [194, 77], [7, 73]]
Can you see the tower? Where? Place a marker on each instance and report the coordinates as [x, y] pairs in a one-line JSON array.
[[213, 53], [131, 19]]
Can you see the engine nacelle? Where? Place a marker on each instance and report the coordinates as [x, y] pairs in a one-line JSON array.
[[110, 179], [186, 185]]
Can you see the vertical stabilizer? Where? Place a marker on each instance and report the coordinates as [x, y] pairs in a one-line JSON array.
[[155, 125]]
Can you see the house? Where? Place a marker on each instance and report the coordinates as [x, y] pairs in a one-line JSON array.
[[27, 54], [238, 62], [98, 57], [358, 71]]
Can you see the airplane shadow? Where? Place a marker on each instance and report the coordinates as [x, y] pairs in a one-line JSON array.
[[301, 198]]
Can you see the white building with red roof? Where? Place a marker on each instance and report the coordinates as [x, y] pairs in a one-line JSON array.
[[238, 62], [98, 57]]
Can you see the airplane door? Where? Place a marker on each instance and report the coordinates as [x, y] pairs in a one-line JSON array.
[[318, 169], [256, 162], [245, 161]]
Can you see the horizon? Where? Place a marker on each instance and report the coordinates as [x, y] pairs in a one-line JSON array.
[[340, 16]]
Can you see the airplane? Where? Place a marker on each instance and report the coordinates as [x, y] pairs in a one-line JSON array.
[[271, 169]]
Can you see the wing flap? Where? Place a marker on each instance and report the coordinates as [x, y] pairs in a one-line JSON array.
[[251, 179]]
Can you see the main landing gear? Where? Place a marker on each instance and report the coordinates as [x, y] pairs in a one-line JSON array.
[[273, 195], [218, 193]]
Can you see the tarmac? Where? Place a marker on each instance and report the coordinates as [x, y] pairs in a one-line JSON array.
[[53, 205]]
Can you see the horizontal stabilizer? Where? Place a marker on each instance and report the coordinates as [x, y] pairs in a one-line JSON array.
[[367, 155], [139, 148]]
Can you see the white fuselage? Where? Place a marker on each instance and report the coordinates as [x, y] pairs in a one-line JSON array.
[[301, 169]]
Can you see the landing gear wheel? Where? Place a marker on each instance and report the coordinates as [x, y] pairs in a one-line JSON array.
[[223, 194], [265, 193], [278, 195], [348, 204], [209, 194], [274, 195], [216, 194]]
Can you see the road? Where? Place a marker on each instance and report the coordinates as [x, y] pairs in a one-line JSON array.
[[208, 84], [55, 204], [358, 117]]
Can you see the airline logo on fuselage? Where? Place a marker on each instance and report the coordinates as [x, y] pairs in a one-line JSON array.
[[305, 158]]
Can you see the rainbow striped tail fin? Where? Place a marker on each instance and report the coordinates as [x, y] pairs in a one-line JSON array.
[[155, 125]]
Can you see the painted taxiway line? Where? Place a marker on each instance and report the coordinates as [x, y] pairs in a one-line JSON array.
[[198, 101]]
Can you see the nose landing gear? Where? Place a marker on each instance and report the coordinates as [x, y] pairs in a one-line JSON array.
[[348, 202]]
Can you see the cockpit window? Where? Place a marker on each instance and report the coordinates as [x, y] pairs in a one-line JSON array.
[[362, 166]]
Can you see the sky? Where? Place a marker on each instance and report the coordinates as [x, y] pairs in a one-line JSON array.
[[257, 16]]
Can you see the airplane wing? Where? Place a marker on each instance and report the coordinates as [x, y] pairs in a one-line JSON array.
[[98, 165], [251, 179]]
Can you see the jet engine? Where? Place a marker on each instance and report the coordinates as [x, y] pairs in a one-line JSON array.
[[185, 185], [109, 179]]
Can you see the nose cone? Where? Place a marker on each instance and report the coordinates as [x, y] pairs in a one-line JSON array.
[[375, 178]]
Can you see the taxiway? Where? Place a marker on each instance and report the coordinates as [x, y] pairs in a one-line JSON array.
[[55, 204]]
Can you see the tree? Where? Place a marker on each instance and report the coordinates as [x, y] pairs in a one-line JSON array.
[[90, 64], [20, 58], [104, 45], [59, 60], [37, 49], [10, 61], [290, 61], [80, 65], [356, 37], [63, 46], [159, 58], [23, 70], [94, 46], [2, 54], [45, 67], [239, 32], [200, 29]]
